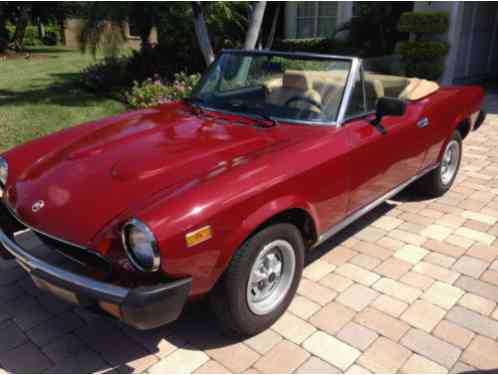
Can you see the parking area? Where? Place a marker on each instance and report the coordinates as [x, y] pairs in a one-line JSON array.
[[411, 287]]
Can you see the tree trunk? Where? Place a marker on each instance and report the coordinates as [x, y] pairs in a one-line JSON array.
[[273, 30], [41, 29], [202, 33], [4, 35], [255, 21], [21, 25]]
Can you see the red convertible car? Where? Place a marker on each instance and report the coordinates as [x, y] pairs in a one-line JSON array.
[[222, 195]]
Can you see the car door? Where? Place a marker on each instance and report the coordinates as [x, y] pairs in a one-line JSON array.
[[381, 161]]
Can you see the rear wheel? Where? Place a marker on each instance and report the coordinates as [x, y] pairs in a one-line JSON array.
[[260, 281], [439, 181]]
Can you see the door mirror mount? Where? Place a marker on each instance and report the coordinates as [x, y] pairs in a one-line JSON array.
[[387, 107]]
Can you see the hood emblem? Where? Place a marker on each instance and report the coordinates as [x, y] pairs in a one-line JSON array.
[[37, 206]]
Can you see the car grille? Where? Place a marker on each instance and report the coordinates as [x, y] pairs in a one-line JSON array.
[[78, 255]]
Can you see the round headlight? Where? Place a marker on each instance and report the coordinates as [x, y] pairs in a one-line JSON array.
[[4, 171], [141, 246]]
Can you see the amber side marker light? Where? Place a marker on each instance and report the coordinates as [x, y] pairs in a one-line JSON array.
[[110, 308], [198, 236]]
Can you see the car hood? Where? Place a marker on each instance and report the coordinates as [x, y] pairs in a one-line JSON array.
[[117, 165]]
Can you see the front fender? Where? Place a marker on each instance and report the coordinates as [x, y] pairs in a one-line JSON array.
[[258, 217]]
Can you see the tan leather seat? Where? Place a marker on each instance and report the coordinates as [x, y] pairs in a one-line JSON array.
[[418, 89], [295, 83]]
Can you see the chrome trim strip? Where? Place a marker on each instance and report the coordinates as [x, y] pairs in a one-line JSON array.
[[13, 213], [113, 292], [346, 96], [362, 211], [72, 244], [291, 54]]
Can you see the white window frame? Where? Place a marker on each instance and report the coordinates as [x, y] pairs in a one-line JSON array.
[[315, 18]]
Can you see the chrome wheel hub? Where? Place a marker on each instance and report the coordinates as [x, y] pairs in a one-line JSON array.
[[449, 163], [271, 277]]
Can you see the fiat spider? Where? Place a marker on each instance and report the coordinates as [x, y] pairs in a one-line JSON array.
[[223, 194]]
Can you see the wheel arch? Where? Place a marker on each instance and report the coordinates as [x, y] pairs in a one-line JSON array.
[[283, 210], [463, 127], [290, 209], [300, 218]]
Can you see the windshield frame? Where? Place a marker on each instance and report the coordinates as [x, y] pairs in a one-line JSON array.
[[346, 95]]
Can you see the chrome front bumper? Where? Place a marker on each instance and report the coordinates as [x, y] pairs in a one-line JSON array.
[[143, 307]]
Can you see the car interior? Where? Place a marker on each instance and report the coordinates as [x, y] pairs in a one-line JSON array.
[[306, 91]]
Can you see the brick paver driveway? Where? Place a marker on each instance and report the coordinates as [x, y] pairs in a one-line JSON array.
[[413, 287]]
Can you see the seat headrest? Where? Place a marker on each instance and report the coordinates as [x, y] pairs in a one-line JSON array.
[[297, 80]]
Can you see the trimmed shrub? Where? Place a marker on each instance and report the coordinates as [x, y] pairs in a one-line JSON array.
[[421, 57], [312, 45], [424, 22], [431, 70], [153, 92], [423, 50]]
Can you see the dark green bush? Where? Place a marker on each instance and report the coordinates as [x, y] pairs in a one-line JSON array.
[[31, 37], [421, 57], [423, 50], [51, 39], [431, 70], [424, 22], [313, 45], [107, 76]]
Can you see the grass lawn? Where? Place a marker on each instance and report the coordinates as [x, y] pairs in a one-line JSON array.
[[41, 95]]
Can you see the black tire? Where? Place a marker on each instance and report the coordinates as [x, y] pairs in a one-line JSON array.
[[432, 184], [229, 299]]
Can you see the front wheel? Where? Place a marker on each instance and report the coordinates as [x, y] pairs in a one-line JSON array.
[[260, 281], [439, 181]]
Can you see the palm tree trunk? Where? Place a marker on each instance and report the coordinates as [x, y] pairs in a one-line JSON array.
[[21, 25], [202, 33], [41, 28], [273, 30], [255, 21]]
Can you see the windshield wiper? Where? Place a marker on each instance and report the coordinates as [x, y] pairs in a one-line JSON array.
[[196, 104], [258, 113]]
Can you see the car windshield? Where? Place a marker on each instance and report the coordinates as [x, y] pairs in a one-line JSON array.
[[288, 87]]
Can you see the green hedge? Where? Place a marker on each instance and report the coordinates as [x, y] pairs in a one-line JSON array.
[[312, 45], [431, 70], [31, 38], [422, 50], [424, 22]]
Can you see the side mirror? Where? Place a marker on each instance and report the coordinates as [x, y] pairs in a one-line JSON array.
[[387, 107]]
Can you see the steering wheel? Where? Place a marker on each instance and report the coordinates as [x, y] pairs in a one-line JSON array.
[[306, 99]]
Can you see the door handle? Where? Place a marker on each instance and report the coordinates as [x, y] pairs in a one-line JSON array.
[[423, 122]]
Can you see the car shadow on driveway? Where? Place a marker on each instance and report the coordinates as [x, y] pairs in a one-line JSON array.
[[407, 195]]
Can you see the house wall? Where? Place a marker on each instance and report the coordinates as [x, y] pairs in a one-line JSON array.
[[477, 58]]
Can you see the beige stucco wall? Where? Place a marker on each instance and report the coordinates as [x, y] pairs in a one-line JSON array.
[[72, 31]]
